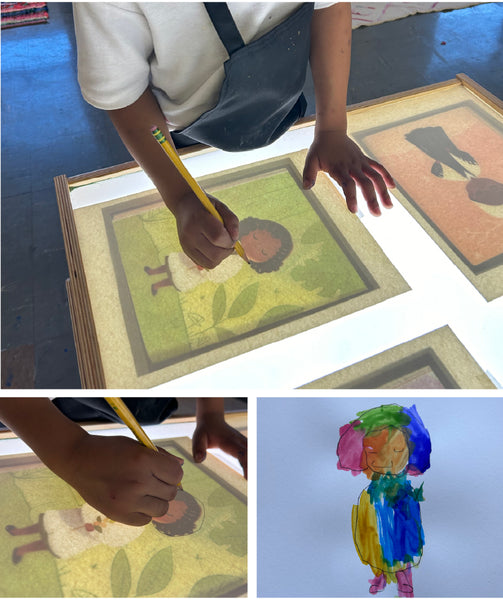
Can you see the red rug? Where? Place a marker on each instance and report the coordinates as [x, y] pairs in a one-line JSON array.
[[15, 14]]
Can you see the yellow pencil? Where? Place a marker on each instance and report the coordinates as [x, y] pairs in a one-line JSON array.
[[127, 416], [196, 188]]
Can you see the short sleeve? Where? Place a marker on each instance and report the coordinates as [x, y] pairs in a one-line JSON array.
[[114, 44]]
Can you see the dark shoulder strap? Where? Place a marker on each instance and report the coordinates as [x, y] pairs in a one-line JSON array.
[[225, 26]]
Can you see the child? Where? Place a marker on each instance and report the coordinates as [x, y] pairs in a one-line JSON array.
[[226, 75], [387, 443], [266, 244], [116, 475]]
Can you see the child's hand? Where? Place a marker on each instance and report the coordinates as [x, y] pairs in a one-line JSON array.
[[336, 154], [122, 479], [203, 238], [213, 432]]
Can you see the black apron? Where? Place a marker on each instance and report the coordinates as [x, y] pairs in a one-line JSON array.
[[261, 96], [147, 411]]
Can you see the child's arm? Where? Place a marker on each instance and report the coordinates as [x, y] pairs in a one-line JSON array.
[[332, 150], [116, 475], [213, 432], [203, 238]]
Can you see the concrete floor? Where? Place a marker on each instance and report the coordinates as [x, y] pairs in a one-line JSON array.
[[48, 130]]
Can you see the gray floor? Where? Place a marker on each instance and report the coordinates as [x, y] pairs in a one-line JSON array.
[[48, 130]]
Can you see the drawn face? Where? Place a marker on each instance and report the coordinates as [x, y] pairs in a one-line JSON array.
[[386, 451], [260, 245], [176, 510]]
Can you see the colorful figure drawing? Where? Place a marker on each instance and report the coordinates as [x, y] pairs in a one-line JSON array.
[[66, 533], [387, 443], [265, 242], [456, 165]]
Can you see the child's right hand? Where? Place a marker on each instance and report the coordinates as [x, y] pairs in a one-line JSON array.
[[203, 238], [123, 479]]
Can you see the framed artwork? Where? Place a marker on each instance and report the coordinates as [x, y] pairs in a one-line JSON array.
[[441, 144], [436, 360], [55, 545], [156, 316]]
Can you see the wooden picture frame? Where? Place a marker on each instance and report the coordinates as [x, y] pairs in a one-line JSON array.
[[436, 360], [203, 553], [113, 348]]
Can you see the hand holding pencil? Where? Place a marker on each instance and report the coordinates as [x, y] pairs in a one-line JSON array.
[[216, 209]]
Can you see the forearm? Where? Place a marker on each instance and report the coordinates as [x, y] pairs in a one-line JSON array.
[[330, 61], [134, 124], [47, 431], [208, 408]]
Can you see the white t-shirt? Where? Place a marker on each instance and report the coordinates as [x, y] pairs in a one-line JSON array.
[[123, 47]]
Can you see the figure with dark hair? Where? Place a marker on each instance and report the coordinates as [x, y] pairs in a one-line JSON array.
[[387, 443], [66, 533], [266, 243], [454, 164]]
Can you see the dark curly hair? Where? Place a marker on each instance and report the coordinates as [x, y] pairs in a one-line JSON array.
[[188, 523], [279, 232]]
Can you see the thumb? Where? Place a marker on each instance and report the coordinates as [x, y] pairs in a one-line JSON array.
[[231, 222], [162, 451], [310, 171], [199, 445]]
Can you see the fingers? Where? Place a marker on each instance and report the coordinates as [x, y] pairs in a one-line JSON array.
[[167, 471], [236, 444], [311, 169], [231, 222], [370, 181], [199, 445], [204, 238], [336, 154]]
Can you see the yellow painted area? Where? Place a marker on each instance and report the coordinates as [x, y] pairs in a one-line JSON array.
[[366, 538]]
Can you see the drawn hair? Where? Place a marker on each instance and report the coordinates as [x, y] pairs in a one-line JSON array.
[[393, 416], [279, 232], [188, 523]]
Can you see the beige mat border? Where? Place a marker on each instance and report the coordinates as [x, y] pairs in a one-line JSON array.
[[445, 347]]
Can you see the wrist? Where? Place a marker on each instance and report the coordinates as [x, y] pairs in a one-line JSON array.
[[209, 409], [64, 460], [332, 122]]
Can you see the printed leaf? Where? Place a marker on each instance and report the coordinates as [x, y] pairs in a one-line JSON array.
[[230, 535], [120, 575], [216, 585], [313, 234], [278, 312], [156, 574], [223, 333], [318, 275], [219, 304], [244, 302], [220, 497]]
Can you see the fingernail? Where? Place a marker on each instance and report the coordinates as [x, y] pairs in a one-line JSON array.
[[199, 456]]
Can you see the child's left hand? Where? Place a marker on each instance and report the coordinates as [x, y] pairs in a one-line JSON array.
[[336, 154], [213, 432]]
